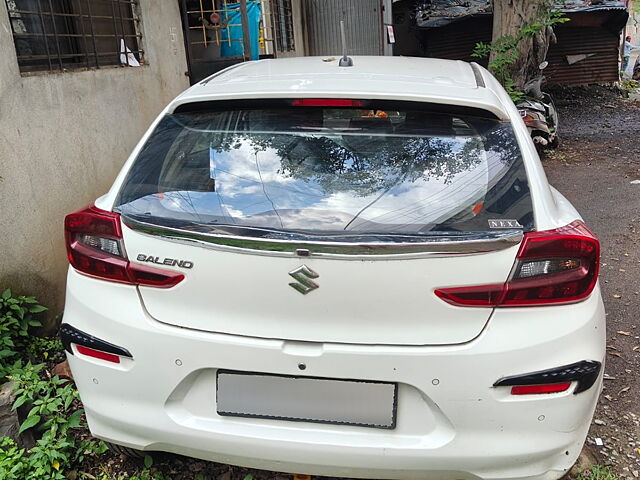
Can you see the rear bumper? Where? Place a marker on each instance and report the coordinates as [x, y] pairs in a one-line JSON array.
[[451, 422]]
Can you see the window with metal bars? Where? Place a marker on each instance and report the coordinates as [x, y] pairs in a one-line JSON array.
[[59, 35], [284, 25]]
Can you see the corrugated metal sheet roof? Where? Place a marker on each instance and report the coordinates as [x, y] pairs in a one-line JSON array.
[[591, 33], [589, 5], [438, 13]]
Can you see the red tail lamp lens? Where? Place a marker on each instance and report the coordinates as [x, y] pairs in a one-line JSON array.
[[327, 102], [95, 248], [552, 267], [540, 389], [90, 352], [153, 277]]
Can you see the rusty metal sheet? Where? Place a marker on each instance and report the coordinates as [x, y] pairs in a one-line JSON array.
[[457, 41], [601, 64], [439, 13]]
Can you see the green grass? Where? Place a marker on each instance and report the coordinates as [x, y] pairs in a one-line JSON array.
[[598, 472]]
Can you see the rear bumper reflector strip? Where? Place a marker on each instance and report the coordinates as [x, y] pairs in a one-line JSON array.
[[107, 357], [585, 373], [69, 335], [540, 389]]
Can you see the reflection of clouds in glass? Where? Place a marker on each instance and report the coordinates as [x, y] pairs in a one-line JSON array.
[[330, 183], [424, 200], [240, 164], [232, 211]]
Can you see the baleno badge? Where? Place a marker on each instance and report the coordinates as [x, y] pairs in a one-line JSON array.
[[172, 262], [303, 275]]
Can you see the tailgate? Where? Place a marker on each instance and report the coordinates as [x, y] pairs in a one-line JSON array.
[[354, 180], [359, 300]]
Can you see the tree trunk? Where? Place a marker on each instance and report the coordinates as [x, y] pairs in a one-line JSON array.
[[509, 17]]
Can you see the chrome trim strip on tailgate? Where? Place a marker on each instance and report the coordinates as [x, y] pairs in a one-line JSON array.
[[482, 243]]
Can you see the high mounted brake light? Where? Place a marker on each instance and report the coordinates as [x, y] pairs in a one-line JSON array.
[[95, 248], [552, 267], [326, 102]]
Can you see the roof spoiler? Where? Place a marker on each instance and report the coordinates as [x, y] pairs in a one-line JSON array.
[[478, 74]]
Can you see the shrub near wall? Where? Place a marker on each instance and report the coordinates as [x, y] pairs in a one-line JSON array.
[[50, 405]]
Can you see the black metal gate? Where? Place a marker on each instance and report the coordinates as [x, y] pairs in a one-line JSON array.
[[362, 19], [207, 31]]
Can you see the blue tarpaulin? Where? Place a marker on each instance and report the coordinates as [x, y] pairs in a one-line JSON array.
[[232, 44]]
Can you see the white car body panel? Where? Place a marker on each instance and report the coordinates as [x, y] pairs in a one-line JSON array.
[[459, 428], [232, 313], [347, 308]]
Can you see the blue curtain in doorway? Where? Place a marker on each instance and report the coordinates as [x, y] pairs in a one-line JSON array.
[[235, 47]]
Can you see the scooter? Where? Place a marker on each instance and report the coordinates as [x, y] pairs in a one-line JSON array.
[[538, 110]]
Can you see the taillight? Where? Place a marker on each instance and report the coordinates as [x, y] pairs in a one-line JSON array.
[[552, 267], [95, 248]]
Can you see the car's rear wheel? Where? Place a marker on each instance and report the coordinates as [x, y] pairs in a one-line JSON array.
[[126, 451]]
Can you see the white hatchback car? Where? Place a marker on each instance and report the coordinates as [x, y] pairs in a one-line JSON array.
[[349, 271]]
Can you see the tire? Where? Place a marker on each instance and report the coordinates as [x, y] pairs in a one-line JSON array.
[[126, 451]]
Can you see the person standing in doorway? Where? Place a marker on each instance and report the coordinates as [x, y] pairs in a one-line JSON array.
[[628, 48]]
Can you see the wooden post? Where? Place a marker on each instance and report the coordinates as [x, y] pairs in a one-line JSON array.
[[246, 38]]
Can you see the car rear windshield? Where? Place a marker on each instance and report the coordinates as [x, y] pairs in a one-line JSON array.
[[317, 168]]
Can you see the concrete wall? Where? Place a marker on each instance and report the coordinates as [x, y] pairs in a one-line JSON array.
[[64, 137]]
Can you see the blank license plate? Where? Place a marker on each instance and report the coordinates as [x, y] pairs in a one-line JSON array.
[[307, 399]]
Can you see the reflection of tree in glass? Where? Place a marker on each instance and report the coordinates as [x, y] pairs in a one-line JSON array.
[[366, 164]]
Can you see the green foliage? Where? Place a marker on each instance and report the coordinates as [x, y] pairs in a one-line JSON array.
[[46, 460], [628, 85], [16, 318], [598, 472], [143, 474], [146, 474], [44, 348], [54, 413], [52, 403], [13, 462], [506, 52]]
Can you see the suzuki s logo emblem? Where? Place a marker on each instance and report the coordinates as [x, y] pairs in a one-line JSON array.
[[303, 275]]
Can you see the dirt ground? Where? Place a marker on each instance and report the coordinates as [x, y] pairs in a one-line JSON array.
[[594, 168]]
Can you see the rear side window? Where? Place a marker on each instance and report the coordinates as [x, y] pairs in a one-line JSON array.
[[378, 170]]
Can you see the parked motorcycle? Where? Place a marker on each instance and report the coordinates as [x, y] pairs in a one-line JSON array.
[[538, 110]]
